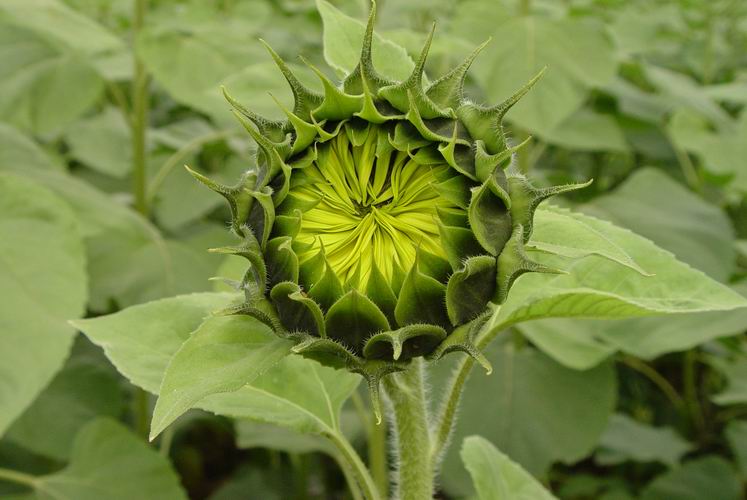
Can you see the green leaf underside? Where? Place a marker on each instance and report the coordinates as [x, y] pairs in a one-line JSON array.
[[222, 355], [295, 393], [41, 286], [496, 476], [596, 287]]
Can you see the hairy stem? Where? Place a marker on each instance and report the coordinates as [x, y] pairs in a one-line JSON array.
[[377, 454], [356, 466], [17, 477], [453, 393], [139, 122], [447, 413], [406, 392]]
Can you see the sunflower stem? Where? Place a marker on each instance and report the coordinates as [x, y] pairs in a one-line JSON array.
[[406, 392]]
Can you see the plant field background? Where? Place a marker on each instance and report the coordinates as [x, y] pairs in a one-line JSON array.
[[645, 97]]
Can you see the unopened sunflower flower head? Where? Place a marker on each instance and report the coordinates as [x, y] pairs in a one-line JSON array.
[[382, 218]]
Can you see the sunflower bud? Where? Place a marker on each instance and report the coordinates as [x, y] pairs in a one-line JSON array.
[[382, 217]]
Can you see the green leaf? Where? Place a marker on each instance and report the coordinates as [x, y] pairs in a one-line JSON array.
[[653, 205], [706, 477], [297, 393], [684, 92], [141, 340], [598, 288], [260, 435], [33, 76], [532, 408], [570, 342], [577, 53], [42, 285], [582, 344], [129, 261], [562, 232], [80, 392], [587, 130], [496, 476], [343, 39], [102, 143], [108, 461], [61, 24], [626, 439], [222, 355], [17, 150]]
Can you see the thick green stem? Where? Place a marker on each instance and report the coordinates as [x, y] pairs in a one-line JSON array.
[[448, 410], [17, 477], [139, 122], [377, 454], [453, 394], [406, 391], [356, 466]]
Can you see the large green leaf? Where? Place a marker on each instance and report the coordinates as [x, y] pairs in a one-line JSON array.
[[587, 130], [343, 39], [42, 285], [141, 340], [578, 55], [81, 391], [222, 355], [595, 287], [496, 476], [653, 205], [108, 461], [193, 51], [35, 74], [581, 344], [532, 408], [129, 261], [561, 232], [627, 439], [296, 393]]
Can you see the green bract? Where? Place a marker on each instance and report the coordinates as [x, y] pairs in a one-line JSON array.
[[382, 218]]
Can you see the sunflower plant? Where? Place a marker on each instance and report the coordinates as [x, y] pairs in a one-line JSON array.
[[385, 224]]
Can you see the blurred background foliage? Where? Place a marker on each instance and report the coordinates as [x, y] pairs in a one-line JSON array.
[[646, 97]]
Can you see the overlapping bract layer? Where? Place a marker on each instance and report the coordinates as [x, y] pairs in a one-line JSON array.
[[382, 218]]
